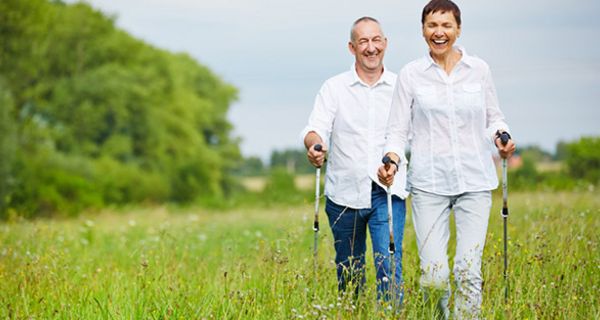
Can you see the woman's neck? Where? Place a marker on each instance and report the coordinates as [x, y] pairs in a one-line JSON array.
[[447, 61]]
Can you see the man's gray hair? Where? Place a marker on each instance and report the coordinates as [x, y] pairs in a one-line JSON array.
[[359, 20]]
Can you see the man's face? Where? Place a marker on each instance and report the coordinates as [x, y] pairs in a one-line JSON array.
[[368, 46], [440, 31]]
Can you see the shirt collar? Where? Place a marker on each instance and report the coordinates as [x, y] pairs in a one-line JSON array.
[[428, 62], [386, 78]]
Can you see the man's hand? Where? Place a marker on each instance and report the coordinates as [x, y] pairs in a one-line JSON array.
[[387, 171], [316, 157], [506, 150]]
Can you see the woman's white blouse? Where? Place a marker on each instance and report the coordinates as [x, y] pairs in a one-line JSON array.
[[450, 122]]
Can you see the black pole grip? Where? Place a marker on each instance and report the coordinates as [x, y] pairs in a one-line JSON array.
[[318, 147], [504, 137], [386, 162], [505, 212], [392, 247], [316, 226]]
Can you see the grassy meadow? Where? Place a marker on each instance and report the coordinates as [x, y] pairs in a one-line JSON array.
[[166, 263]]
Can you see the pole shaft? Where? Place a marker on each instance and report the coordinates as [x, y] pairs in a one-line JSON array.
[[392, 288], [392, 247], [504, 185], [390, 220], [505, 220], [505, 263], [316, 222]]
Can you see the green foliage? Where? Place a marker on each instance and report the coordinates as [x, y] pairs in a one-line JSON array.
[[583, 159], [147, 125], [7, 146], [49, 183], [280, 188], [526, 176], [535, 153], [125, 183], [561, 151], [251, 166], [293, 159]]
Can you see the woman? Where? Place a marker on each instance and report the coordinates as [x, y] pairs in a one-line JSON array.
[[446, 102]]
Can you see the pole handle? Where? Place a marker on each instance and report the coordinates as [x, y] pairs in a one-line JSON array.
[[504, 137], [318, 147], [387, 161]]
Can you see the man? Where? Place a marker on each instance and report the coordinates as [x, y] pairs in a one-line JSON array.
[[349, 119], [446, 103]]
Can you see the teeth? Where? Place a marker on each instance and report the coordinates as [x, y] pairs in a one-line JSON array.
[[439, 41]]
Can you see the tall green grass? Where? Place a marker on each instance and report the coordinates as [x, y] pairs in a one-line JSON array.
[[258, 264]]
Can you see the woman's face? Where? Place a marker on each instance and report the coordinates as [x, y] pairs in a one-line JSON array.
[[440, 31]]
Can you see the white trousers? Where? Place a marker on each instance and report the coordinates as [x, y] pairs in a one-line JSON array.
[[431, 215]]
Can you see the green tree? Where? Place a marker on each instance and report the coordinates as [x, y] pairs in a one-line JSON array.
[[527, 175], [294, 160], [251, 166], [535, 153], [583, 159], [561, 151], [7, 147], [280, 188], [102, 117]]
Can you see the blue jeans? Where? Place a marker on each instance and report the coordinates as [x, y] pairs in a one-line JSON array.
[[349, 227]]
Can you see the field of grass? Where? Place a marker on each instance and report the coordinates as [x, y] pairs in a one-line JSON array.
[[165, 263]]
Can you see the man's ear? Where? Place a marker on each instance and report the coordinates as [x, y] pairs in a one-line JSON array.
[[351, 48]]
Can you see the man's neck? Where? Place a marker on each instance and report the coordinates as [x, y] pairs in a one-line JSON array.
[[369, 77]]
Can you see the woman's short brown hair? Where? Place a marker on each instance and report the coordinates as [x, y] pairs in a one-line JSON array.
[[443, 6]]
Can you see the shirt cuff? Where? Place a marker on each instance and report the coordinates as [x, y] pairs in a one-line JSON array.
[[320, 133]]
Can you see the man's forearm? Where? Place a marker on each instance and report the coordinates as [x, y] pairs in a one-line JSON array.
[[311, 139]]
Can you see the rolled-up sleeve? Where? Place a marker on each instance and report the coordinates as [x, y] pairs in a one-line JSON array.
[[322, 115], [494, 116], [399, 121]]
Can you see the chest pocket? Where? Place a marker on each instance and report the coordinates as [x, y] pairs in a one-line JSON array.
[[426, 97], [471, 95]]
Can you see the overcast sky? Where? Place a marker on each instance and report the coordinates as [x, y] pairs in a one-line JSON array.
[[543, 54]]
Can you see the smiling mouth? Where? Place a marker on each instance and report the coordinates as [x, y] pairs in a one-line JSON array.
[[440, 41]]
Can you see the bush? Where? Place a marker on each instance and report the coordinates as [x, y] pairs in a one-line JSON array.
[[280, 188], [51, 183], [583, 159], [7, 146], [126, 183], [526, 176]]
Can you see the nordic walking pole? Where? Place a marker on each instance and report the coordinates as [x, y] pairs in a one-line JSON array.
[[504, 137], [317, 147], [387, 161]]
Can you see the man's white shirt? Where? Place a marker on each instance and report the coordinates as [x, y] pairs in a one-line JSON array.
[[350, 117]]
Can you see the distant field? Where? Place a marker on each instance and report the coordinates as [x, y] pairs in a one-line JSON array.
[[256, 184], [550, 166], [258, 264]]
